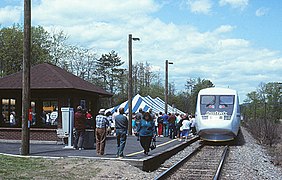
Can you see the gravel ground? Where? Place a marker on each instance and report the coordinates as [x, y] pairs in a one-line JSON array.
[[248, 160]]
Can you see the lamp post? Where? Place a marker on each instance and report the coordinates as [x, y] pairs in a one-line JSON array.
[[166, 84], [130, 39]]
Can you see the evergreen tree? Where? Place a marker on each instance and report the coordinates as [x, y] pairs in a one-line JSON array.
[[108, 71]]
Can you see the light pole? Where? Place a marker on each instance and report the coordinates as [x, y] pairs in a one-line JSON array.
[[166, 84], [130, 38]]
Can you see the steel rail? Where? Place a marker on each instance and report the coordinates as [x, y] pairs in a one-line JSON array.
[[221, 163], [173, 168]]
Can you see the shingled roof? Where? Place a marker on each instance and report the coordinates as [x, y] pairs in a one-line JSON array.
[[47, 76]]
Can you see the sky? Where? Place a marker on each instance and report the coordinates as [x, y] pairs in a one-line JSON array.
[[233, 43]]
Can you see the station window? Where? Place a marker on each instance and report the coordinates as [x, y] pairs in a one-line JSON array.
[[50, 112], [9, 116]]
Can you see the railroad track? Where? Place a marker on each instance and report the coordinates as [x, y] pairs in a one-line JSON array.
[[205, 162]]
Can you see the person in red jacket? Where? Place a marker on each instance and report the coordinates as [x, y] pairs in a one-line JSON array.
[[79, 126]]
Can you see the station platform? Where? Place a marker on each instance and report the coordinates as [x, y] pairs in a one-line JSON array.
[[133, 152]]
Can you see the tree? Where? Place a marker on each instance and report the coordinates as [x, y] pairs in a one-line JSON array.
[[11, 49], [262, 112], [40, 48], [81, 62], [143, 78], [109, 74], [59, 50], [45, 47]]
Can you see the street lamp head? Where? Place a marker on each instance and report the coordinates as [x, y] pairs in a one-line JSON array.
[[170, 62], [136, 39]]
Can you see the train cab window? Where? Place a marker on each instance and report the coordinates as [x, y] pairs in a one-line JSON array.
[[209, 101], [226, 100]]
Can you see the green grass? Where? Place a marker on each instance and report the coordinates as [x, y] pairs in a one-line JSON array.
[[17, 167], [38, 168]]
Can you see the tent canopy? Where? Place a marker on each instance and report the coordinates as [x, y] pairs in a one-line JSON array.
[[157, 105]]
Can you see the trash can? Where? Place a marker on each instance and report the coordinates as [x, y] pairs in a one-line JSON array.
[[89, 139]]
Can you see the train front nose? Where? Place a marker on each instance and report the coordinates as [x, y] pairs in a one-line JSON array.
[[216, 128], [216, 135]]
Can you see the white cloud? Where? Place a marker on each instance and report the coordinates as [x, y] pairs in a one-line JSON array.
[[261, 11], [224, 29], [10, 14], [215, 55], [65, 12], [200, 6], [233, 43], [241, 4]]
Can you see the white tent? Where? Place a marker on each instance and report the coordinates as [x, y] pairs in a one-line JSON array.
[[137, 103], [170, 109], [146, 103]]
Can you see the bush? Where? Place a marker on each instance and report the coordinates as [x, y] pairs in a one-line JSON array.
[[264, 130]]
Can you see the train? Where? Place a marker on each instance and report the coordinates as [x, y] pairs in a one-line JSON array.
[[217, 116]]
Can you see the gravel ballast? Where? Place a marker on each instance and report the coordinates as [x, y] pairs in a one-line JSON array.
[[248, 160]]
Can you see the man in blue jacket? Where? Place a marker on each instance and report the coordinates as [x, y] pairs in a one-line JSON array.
[[121, 125]]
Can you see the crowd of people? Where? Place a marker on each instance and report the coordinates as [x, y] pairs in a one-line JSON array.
[[181, 126], [145, 125]]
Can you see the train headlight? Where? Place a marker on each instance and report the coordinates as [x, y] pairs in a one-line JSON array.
[[205, 117], [227, 117]]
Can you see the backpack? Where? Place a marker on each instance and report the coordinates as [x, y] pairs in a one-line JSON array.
[[160, 120]]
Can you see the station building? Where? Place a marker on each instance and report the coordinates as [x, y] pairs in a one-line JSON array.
[[51, 89]]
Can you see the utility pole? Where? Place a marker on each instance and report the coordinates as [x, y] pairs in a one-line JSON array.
[[130, 84], [26, 77], [166, 84], [130, 38]]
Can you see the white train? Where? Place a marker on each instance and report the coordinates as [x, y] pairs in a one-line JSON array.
[[217, 114]]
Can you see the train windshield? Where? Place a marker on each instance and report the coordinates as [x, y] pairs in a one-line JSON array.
[[226, 100], [207, 100]]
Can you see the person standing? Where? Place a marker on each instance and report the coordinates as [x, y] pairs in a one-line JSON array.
[[146, 131], [165, 125], [172, 127], [101, 125], [12, 118], [114, 120], [186, 128], [138, 116], [79, 128], [110, 119], [160, 124], [178, 125], [193, 128], [89, 119], [121, 125]]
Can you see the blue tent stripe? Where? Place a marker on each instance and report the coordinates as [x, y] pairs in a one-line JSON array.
[[115, 109], [137, 105], [146, 108], [160, 108], [126, 107]]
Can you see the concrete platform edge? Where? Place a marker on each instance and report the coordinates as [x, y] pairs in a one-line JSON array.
[[154, 162]]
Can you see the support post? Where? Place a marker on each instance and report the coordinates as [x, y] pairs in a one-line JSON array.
[[166, 85], [26, 78], [130, 84]]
